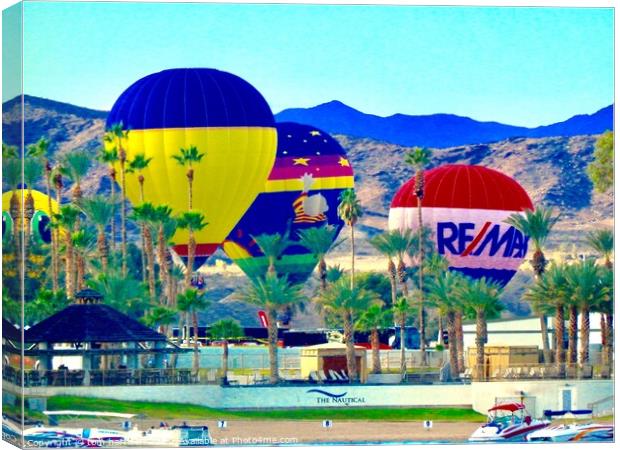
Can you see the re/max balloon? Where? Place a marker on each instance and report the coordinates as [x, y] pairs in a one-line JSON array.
[[465, 207], [39, 224], [302, 191], [222, 115]]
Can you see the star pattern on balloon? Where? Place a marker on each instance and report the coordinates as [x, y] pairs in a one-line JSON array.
[[315, 133], [344, 162], [300, 161]]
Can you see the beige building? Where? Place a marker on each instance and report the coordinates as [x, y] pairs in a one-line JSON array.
[[325, 359]]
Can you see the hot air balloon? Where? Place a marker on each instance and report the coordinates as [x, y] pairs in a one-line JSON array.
[[310, 172], [224, 117], [465, 207], [40, 223]]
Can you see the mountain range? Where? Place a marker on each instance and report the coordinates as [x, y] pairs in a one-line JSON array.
[[551, 169], [436, 130]]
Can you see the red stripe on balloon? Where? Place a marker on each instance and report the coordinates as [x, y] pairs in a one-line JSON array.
[[285, 173], [201, 249], [477, 239]]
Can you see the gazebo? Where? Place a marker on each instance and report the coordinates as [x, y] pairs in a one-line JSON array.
[[103, 340], [329, 360]]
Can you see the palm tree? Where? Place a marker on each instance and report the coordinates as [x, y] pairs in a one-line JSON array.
[[75, 166], [602, 241], [272, 293], [161, 317], [334, 273], [82, 245], [191, 301], [116, 135], [162, 219], [121, 292], [272, 246], [419, 158], [188, 157], [319, 241], [349, 211], [550, 290], [57, 180], [384, 244], [40, 150], [144, 214], [192, 221], [442, 295], [482, 297], [372, 319], [585, 280], [224, 330], [137, 165], [66, 219], [32, 171], [401, 311], [606, 309], [110, 157], [100, 209], [347, 302], [537, 224]]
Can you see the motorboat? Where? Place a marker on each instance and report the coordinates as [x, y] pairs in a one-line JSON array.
[[165, 436], [572, 432], [507, 422]]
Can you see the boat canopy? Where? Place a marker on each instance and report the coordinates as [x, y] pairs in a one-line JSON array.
[[512, 407]]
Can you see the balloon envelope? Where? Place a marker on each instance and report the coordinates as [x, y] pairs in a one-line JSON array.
[[40, 223], [310, 172], [221, 114], [465, 207]]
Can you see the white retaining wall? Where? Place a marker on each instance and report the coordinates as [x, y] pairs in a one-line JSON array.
[[547, 394]]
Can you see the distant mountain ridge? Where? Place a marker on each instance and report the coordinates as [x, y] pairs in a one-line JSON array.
[[436, 130]]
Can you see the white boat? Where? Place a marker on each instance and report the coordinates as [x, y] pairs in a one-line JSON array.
[[591, 432], [507, 422], [164, 436]]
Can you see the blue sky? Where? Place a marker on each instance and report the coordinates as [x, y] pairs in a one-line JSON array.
[[523, 66]]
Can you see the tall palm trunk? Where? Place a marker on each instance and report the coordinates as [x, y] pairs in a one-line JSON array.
[[559, 339], [122, 156], [392, 274], [80, 270], [403, 349], [112, 176], [480, 333], [54, 241], [609, 348], [584, 335], [603, 325], [402, 276], [374, 343], [544, 330], [572, 334], [15, 210], [460, 345], [102, 248], [191, 250], [69, 271], [196, 362], [350, 344], [142, 227], [28, 214], [352, 256], [452, 345], [150, 260], [163, 263], [225, 362], [272, 331], [323, 273], [421, 319], [56, 230]]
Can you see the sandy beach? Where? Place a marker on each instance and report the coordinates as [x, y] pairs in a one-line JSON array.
[[274, 432]]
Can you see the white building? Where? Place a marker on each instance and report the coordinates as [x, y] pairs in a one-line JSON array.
[[525, 331]]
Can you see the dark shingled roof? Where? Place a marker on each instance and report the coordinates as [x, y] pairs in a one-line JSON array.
[[91, 323], [10, 331]]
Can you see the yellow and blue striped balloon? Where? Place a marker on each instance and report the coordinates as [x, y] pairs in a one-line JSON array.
[[223, 116]]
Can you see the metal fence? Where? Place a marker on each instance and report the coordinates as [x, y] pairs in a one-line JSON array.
[[538, 371]]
